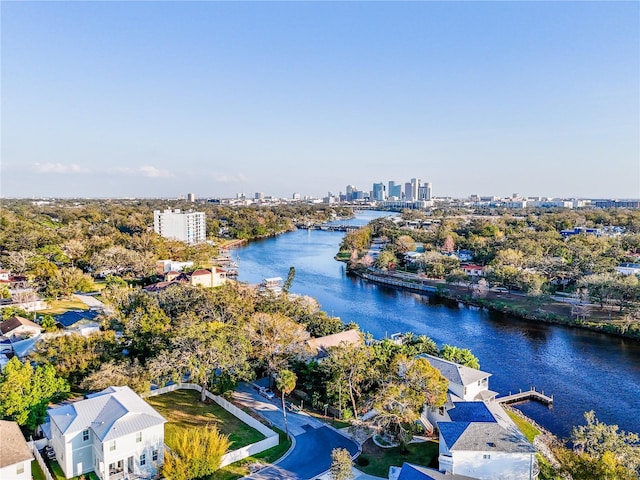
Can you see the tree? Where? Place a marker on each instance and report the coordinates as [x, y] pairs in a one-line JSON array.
[[350, 365], [276, 340], [413, 385], [48, 323], [289, 281], [195, 453], [203, 351], [286, 383], [386, 260], [404, 244], [462, 356], [448, 245], [75, 356], [341, 465], [126, 372], [4, 291], [26, 391]]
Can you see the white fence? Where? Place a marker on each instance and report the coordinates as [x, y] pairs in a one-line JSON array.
[[40, 460], [272, 439]]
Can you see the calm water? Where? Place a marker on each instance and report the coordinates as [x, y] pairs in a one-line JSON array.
[[583, 370]]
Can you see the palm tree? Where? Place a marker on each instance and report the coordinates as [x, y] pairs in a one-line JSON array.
[[285, 382]]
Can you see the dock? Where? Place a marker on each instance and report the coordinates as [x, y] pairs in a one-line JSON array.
[[531, 394]]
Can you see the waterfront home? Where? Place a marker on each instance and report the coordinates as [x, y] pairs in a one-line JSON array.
[[477, 437], [481, 441], [465, 383], [165, 266], [15, 454], [114, 433], [319, 347]]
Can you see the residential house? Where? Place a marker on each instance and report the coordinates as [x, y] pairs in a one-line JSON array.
[[481, 441], [203, 277], [114, 433], [15, 454], [4, 276], [409, 471], [319, 347], [17, 328], [628, 268], [82, 322], [165, 266], [477, 437], [473, 270]]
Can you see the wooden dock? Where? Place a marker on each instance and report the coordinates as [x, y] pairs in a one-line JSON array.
[[532, 394]]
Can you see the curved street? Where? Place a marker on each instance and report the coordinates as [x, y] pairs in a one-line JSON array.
[[314, 441]]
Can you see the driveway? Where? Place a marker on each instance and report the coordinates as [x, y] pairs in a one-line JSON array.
[[314, 441]]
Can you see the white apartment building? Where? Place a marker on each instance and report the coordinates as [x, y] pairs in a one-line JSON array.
[[189, 227]]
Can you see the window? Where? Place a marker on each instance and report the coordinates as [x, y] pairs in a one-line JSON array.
[[138, 437], [112, 445], [143, 459], [154, 456], [85, 435], [20, 469], [486, 457]]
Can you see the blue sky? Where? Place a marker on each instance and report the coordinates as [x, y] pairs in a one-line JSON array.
[[157, 99]]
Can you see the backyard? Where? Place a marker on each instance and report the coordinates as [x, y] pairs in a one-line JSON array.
[[184, 411], [376, 461]]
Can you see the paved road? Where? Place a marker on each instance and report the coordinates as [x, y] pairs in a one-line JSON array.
[[314, 441]]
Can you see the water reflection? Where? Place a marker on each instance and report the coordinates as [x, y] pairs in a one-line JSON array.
[[583, 370]]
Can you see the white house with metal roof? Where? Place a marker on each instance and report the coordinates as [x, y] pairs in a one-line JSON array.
[[114, 433]]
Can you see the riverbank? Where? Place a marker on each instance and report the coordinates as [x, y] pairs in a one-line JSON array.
[[542, 309]]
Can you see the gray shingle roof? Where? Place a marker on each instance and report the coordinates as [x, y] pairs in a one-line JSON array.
[[112, 413], [483, 437], [458, 374], [13, 446]]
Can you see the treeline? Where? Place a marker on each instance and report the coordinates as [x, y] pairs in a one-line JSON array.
[[217, 337], [57, 245]]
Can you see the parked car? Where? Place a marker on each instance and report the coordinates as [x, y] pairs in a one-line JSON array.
[[267, 393], [292, 407]]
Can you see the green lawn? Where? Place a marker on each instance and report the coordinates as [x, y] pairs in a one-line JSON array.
[[183, 410], [56, 471], [525, 427], [57, 307], [36, 471], [240, 469], [378, 460]]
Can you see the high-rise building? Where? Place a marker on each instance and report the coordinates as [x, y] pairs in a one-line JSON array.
[[394, 190], [428, 186], [190, 227], [191, 197], [415, 185], [407, 192], [258, 196], [379, 193]]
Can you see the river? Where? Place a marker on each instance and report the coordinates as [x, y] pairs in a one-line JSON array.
[[583, 370]]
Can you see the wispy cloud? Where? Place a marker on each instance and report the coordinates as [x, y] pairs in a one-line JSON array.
[[59, 168], [144, 171], [153, 172], [226, 178]]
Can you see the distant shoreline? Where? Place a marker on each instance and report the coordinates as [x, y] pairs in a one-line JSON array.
[[451, 292]]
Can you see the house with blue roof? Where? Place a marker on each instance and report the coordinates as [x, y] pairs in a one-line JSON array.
[[114, 433], [477, 437]]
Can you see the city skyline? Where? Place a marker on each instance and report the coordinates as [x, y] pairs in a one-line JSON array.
[[161, 99]]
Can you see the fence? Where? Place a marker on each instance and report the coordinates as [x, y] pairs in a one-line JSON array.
[[40, 460], [272, 438]]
